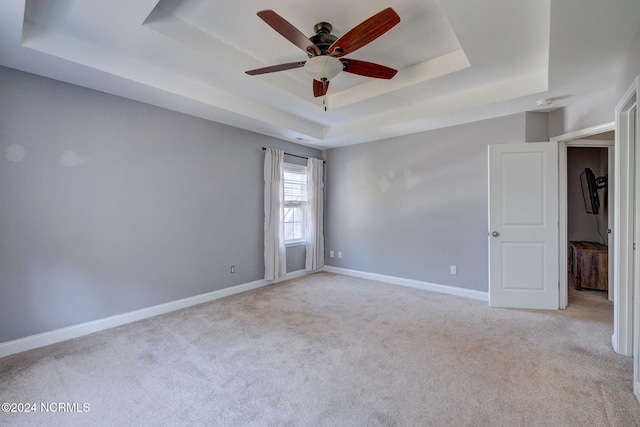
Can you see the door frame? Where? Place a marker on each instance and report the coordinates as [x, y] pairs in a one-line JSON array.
[[564, 141], [624, 333]]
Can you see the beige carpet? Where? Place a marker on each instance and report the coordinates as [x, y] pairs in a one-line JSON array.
[[329, 350]]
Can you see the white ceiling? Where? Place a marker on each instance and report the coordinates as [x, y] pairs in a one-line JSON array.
[[458, 60]]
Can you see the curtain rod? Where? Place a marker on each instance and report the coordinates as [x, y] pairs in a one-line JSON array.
[[294, 155]]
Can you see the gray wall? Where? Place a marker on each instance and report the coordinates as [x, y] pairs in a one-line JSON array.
[[412, 206], [536, 127], [108, 205]]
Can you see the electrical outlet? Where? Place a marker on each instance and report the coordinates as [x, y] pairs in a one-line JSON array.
[[339, 254], [453, 269], [233, 269], [330, 254]]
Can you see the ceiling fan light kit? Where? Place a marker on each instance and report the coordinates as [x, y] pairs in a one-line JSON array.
[[323, 67], [324, 49]]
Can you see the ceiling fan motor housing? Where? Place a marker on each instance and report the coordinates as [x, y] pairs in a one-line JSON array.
[[323, 38]]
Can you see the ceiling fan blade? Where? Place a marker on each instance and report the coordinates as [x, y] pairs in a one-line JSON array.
[[288, 31], [369, 69], [274, 68], [365, 33], [320, 88]]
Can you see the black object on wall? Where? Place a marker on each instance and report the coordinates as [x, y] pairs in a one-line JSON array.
[[590, 186]]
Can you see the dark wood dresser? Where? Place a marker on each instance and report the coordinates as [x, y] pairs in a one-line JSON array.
[[589, 261]]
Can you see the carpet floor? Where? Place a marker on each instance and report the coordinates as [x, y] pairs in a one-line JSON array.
[[331, 350]]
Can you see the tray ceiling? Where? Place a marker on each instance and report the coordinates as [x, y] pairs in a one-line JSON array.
[[458, 61]]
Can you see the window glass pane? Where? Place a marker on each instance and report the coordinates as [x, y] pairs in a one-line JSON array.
[[295, 197], [295, 192], [288, 214], [288, 231], [295, 183]]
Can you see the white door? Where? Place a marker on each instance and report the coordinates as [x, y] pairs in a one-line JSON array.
[[523, 225]]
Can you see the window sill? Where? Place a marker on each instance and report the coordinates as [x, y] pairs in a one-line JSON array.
[[295, 243]]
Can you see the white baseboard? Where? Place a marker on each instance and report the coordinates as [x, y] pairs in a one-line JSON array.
[[443, 289], [75, 331]]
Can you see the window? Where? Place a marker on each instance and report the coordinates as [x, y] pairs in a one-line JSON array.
[[295, 203]]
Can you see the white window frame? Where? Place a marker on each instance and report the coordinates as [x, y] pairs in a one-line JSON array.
[[299, 169]]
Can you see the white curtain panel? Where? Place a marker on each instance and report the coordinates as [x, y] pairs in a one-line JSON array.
[[275, 254], [314, 230]]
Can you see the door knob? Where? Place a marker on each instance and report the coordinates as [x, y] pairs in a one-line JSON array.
[[495, 234]]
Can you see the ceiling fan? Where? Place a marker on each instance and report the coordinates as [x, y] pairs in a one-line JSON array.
[[324, 48]]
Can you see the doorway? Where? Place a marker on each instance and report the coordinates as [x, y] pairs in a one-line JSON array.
[[590, 162], [594, 137]]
